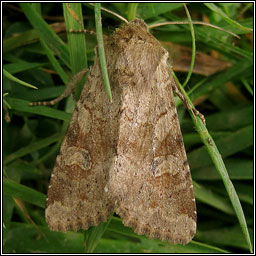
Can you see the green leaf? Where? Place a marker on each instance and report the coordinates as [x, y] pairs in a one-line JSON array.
[[209, 197], [219, 164], [24, 238], [23, 105], [16, 80], [228, 145], [110, 246], [228, 236], [76, 41], [238, 169], [148, 10], [14, 189], [132, 9], [46, 33], [235, 117], [50, 53], [103, 64], [193, 55], [240, 69], [32, 147], [229, 119], [17, 67], [216, 9], [145, 245], [93, 236]]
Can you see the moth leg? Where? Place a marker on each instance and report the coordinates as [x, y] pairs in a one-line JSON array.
[[68, 90], [86, 31], [90, 32], [179, 93]]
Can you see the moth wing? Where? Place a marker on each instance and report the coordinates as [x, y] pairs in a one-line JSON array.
[[151, 183], [76, 198]]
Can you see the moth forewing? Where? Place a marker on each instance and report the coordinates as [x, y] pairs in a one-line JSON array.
[[127, 156], [76, 198]]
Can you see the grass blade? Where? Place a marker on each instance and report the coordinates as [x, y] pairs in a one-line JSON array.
[[217, 10], [49, 52], [16, 80], [132, 9], [209, 197], [76, 41], [23, 105], [193, 46], [101, 49], [49, 36], [94, 234], [14, 189], [220, 166], [31, 148]]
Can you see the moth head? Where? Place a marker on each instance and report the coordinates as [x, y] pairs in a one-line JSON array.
[[133, 33], [133, 52], [140, 23]]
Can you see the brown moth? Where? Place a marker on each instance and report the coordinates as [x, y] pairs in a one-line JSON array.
[[127, 155]]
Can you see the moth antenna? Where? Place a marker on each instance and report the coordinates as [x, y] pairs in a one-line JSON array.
[[68, 90], [194, 23], [91, 32], [113, 13], [179, 92]]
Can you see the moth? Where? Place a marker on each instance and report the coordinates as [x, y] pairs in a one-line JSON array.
[[127, 155]]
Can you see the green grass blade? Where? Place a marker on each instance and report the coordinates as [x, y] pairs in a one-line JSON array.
[[16, 80], [32, 147], [49, 36], [247, 86], [240, 69], [71, 242], [235, 118], [154, 246], [228, 145], [148, 10], [21, 238], [9, 44], [23, 105], [17, 67], [230, 236], [5, 102], [238, 169], [40, 95], [50, 54], [217, 10], [220, 166], [39, 51], [76, 41], [207, 36], [245, 192], [101, 50], [94, 234], [56, 65], [14, 189], [132, 10], [193, 47], [211, 198]]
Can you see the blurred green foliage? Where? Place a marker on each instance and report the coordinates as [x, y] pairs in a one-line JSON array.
[[34, 53]]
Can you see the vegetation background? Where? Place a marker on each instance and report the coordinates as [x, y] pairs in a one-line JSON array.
[[37, 52]]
